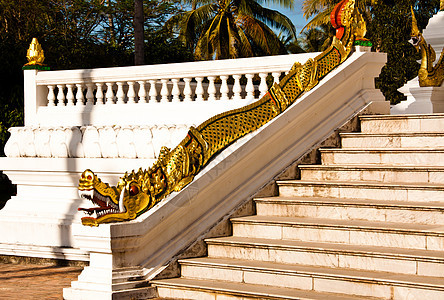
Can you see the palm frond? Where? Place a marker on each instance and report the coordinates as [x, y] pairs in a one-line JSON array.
[[273, 18]]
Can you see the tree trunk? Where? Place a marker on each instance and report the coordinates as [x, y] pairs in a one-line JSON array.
[[139, 58]]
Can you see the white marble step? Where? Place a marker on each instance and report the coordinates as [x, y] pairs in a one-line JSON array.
[[393, 140], [353, 232], [373, 173], [184, 288], [320, 279], [332, 255], [392, 157], [402, 123], [352, 209], [362, 190]]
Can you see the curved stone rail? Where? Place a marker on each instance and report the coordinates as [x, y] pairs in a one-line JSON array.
[[93, 141]]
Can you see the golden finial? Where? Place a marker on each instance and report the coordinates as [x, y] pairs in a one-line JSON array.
[[35, 54], [441, 5]]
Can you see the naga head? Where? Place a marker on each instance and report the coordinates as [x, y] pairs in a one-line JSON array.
[[416, 35], [126, 201]]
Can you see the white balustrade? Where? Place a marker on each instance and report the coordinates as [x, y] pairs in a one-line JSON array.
[[78, 97]]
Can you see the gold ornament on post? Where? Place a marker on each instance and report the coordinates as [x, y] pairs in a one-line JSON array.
[[35, 56], [441, 5]]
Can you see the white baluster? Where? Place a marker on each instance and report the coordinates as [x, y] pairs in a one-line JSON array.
[[109, 93], [153, 91], [51, 96], [249, 88], [70, 95], [142, 92], [79, 95], [131, 92], [99, 93], [211, 89], [187, 90], [164, 91], [89, 94], [120, 94], [176, 91], [237, 88], [263, 87], [199, 89], [224, 88], [276, 76], [61, 94]]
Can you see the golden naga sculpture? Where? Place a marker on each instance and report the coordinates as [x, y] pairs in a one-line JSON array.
[[428, 74], [138, 191], [35, 54]]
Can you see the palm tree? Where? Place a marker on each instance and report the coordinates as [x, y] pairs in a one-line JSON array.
[[218, 29], [320, 10]]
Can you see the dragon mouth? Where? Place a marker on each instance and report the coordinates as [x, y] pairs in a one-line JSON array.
[[105, 205]]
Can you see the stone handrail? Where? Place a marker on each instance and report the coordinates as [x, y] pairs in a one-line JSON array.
[[152, 94], [121, 252]]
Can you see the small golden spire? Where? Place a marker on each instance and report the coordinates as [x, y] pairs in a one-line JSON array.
[[35, 54], [441, 5]]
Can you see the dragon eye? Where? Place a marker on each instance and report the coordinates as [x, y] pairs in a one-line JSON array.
[[133, 190], [89, 177]]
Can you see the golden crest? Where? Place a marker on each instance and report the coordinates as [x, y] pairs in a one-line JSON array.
[[35, 53]]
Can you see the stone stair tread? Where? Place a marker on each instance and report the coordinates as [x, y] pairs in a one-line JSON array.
[[405, 185], [243, 289], [403, 116], [347, 224], [372, 167], [382, 150], [416, 254], [353, 202], [317, 271], [394, 134]]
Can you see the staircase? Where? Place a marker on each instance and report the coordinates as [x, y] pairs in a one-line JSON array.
[[366, 224]]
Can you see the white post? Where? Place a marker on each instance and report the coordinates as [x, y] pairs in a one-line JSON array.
[[237, 87], [153, 91], [263, 88], [89, 94], [224, 88], [249, 88], [142, 92], [99, 93], [131, 92], [61, 95], [211, 89], [164, 93], [199, 89], [70, 95], [79, 95], [187, 90], [35, 96], [120, 94], [51, 95], [175, 92]]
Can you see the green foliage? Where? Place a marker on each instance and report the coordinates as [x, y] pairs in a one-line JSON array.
[[76, 34], [232, 28], [390, 31]]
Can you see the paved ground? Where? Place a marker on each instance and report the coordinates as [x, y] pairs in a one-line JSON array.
[[35, 281]]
